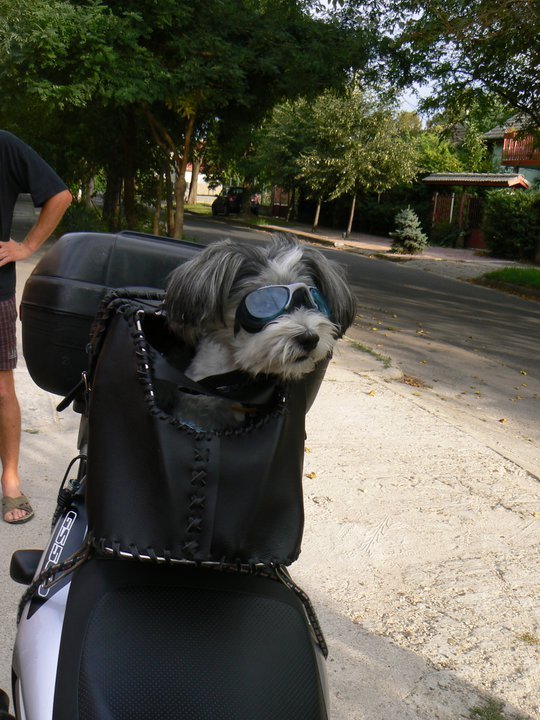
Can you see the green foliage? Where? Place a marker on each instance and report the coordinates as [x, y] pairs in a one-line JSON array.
[[357, 143], [464, 48], [445, 235], [524, 277], [280, 142], [188, 68], [376, 218], [492, 710], [436, 154], [511, 223], [80, 217], [408, 236], [473, 150]]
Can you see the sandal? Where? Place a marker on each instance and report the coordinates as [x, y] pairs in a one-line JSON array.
[[18, 503]]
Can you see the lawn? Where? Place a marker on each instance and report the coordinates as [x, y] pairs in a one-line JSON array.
[[203, 209], [523, 277], [199, 209]]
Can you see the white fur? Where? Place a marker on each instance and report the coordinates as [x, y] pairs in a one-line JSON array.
[[201, 303], [272, 351]]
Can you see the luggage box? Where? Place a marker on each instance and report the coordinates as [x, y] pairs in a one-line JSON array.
[[63, 293]]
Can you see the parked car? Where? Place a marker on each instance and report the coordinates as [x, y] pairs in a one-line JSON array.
[[230, 201]]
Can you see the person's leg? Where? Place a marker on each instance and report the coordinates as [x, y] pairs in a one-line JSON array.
[[10, 413], [10, 440]]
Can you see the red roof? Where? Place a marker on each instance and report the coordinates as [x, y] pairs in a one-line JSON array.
[[510, 180]]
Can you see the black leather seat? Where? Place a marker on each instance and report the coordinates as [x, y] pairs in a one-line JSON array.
[[145, 642]]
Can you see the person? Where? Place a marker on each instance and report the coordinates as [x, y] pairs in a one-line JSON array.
[[22, 170], [255, 203]]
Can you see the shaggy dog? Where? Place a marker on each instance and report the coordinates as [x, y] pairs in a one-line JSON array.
[[272, 311]]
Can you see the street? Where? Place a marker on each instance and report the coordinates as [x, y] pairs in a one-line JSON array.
[[462, 349]]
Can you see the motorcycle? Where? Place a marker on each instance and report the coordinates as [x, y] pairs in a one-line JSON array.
[[125, 615]]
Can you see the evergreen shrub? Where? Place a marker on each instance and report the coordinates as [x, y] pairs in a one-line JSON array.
[[408, 236]]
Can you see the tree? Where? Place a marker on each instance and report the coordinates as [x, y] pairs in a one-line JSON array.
[[182, 64], [436, 154], [279, 143], [463, 48], [361, 146]]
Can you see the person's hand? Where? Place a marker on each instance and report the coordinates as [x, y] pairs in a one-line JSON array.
[[12, 251]]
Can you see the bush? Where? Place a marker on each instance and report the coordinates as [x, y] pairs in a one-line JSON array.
[[79, 217], [373, 215], [408, 235], [511, 223], [446, 235]]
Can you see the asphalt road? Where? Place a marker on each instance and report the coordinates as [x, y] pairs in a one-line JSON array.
[[462, 348]]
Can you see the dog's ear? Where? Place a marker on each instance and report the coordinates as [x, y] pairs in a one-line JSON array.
[[198, 291], [329, 277]]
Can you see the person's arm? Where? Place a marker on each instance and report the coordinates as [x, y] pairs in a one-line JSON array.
[[50, 215]]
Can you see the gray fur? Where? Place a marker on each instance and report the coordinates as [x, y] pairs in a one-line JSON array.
[[201, 301]]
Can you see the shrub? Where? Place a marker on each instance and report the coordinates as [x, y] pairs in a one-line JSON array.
[[446, 235], [511, 223], [79, 217], [408, 235]]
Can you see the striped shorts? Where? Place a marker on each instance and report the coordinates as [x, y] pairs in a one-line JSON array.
[[8, 334]]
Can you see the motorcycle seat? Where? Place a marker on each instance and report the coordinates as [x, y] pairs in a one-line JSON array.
[[143, 641]]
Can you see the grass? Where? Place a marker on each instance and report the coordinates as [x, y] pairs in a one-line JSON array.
[[265, 220], [203, 209], [199, 209], [529, 638], [386, 361], [492, 710], [523, 277]]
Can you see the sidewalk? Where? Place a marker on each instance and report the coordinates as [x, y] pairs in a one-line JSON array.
[[420, 550], [456, 263]]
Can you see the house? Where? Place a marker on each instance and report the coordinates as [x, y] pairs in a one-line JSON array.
[[205, 194], [514, 153]]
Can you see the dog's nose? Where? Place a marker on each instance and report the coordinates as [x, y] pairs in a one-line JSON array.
[[308, 341]]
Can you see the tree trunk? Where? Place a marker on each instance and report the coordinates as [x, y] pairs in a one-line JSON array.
[[317, 213], [87, 192], [129, 164], [180, 159], [290, 209], [157, 206], [169, 198], [111, 200], [196, 166], [180, 183], [130, 205], [351, 217], [245, 210]]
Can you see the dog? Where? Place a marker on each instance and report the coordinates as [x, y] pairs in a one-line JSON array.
[[263, 311]]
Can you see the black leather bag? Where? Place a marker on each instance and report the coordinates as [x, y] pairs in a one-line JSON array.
[[159, 489]]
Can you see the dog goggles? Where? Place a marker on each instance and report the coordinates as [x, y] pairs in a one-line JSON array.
[[262, 306]]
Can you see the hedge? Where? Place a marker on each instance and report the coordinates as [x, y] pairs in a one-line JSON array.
[[511, 223]]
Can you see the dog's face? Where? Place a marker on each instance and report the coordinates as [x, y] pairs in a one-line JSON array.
[[277, 310]]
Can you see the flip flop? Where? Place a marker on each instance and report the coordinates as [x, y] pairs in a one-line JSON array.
[[18, 503]]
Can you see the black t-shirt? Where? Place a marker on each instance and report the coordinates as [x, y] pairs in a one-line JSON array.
[[22, 170]]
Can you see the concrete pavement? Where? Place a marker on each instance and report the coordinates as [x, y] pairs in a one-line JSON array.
[[420, 551]]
